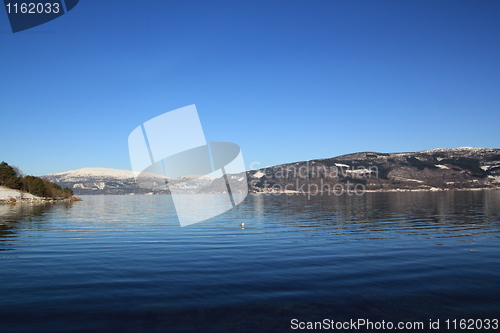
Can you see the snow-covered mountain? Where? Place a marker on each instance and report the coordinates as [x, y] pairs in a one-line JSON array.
[[85, 173], [116, 181]]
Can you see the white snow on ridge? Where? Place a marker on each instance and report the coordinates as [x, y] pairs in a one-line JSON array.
[[85, 173], [441, 166], [358, 171], [258, 174], [88, 173], [95, 172], [437, 150]]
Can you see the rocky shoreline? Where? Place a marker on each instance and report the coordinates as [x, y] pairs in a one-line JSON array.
[[10, 196], [37, 200]]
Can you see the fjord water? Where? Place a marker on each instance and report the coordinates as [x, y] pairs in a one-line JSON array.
[[123, 263]]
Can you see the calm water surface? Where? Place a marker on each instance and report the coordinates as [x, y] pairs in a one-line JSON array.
[[123, 264]]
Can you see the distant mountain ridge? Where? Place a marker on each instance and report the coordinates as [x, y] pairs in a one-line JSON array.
[[115, 181], [435, 169], [97, 181], [85, 173]]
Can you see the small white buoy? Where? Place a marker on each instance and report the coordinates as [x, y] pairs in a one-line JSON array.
[[242, 224]]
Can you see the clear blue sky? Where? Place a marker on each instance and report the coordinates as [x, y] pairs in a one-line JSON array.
[[286, 80]]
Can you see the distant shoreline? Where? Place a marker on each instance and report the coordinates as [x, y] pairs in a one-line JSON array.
[[290, 192], [438, 189]]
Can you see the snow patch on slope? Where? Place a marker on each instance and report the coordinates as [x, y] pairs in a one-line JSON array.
[[458, 149], [441, 166], [258, 174], [7, 193]]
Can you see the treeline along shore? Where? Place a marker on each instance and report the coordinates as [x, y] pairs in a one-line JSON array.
[[16, 187]]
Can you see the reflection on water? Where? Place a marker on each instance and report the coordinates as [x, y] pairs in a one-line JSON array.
[[15, 218], [122, 263], [385, 214], [17, 212]]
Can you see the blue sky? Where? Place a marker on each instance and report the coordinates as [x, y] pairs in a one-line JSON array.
[[286, 80]]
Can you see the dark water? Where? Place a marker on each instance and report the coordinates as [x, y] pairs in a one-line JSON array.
[[122, 263]]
